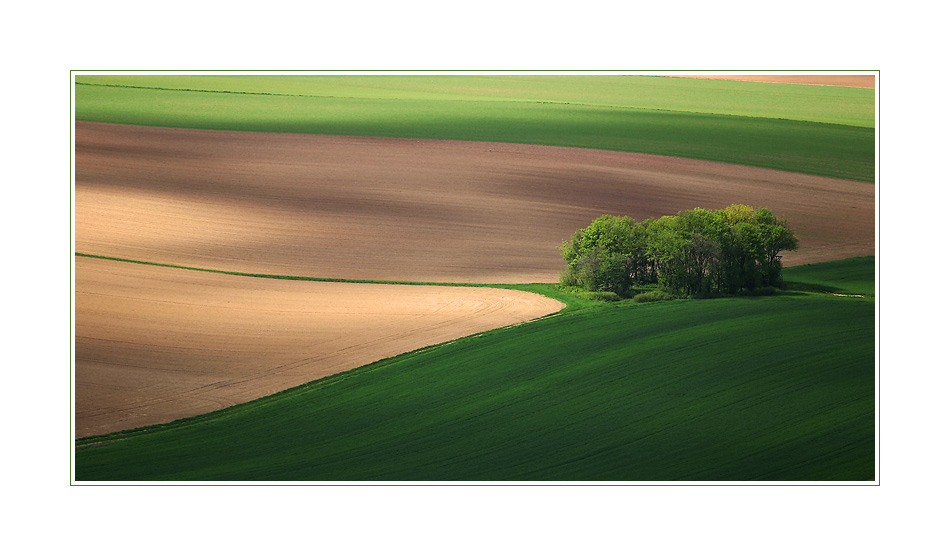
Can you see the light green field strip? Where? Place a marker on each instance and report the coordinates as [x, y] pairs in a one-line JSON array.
[[796, 128], [838, 105]]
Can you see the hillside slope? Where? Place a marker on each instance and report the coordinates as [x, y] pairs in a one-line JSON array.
[[743, 389]]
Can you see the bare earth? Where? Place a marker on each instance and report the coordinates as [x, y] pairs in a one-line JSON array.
[[862, 81], [155, 344], [409, 209]]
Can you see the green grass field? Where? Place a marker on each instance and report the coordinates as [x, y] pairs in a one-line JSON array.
[[740, 389], [847, 277], [825, 131], [834, 105]]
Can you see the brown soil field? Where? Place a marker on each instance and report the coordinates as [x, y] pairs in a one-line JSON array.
[[862, 81], [156, 344], [408, 209]]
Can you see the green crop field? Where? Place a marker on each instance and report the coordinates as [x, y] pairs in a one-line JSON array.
[[847, 277], [835, 105], [825, 131], [739, 389]]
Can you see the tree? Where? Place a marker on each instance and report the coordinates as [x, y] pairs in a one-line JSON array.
[[776, 237], [695, 252], [600, 256]]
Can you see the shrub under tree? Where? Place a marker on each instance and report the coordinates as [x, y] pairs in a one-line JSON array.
[[695, 253]]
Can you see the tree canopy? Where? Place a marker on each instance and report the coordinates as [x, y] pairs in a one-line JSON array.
[[694, 253]]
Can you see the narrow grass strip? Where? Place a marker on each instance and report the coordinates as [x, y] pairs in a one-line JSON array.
[[289, 277], [572, 302], [276, 276]]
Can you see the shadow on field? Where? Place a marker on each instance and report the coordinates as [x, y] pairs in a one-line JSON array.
[[791, 293]]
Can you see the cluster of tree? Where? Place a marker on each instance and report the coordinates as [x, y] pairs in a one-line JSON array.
[[695, 253]]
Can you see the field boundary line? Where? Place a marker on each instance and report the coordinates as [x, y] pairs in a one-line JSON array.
[[290, 277], [562, 297]]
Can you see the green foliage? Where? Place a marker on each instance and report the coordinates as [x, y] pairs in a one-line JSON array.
[[675, 117], [600, 296], [651, 392], [601, 257], [697, 253], [655, 295]]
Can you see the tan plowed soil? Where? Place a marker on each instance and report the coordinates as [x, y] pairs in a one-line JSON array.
[[862, 81], [156, 344], [409, 209]]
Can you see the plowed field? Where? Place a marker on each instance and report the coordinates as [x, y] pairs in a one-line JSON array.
[[409, 209], [155, 344]]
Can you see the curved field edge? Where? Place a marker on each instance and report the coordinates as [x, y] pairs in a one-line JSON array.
[[825, 149], [571, 301], [657, 392], [845, 276]]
